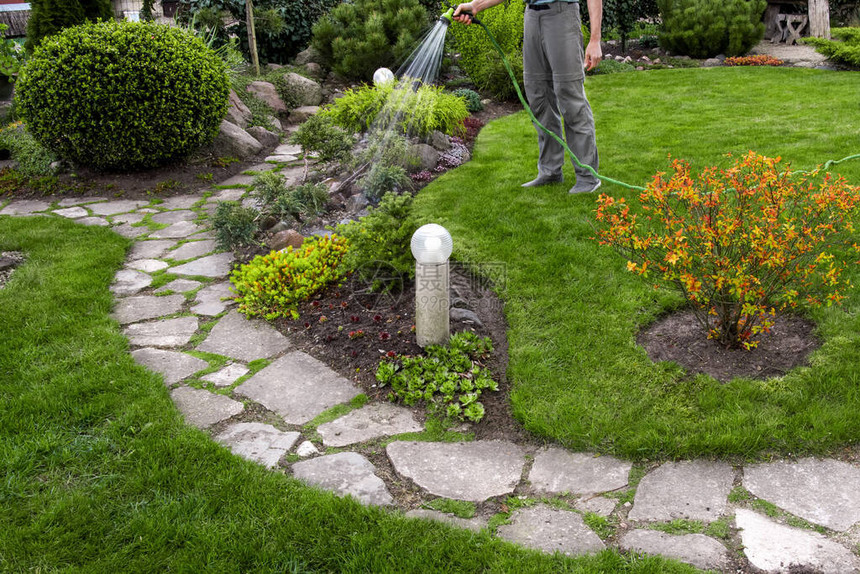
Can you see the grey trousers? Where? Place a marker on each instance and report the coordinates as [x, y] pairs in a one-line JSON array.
[[553, 73]]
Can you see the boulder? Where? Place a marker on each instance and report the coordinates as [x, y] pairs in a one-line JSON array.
[[300, 115], [307, 56], [286, 238], [711, 63], [426, 155], [356, 203], [264, 136], [276, 123], [314, 70], [233, 141], [306, 91], [440, 141], [267, 92], [238, 113]]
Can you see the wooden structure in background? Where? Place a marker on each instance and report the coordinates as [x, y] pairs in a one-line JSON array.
[[787, 20]]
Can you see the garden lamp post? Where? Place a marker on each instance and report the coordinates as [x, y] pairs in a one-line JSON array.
[[382, 76], [431, 246]]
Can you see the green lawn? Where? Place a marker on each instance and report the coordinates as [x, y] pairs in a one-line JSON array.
[[98, 473], [573, 310]]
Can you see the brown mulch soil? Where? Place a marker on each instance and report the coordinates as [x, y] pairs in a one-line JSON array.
[[679, 337]]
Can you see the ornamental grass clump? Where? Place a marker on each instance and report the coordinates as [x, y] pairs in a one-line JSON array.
[[739, 243], [273, 285]]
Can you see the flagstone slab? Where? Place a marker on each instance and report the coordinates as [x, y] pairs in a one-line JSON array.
[[192, 250], [25, 207], [825, 492], [115, 207], [228, 194], [598, 505], [180, 201], [472, 471], [72, 212], [287, 149], [202, 408], [147, 265], [298, 387], [282, 158], [144, 307], [177, 231], [69, 201], [238, 180], [550, 530], [773, 547], [180, 286], [473, 524], [150, 249], [93, 221], [227, 376], [218, 265], [345, 473], [369, 422], [557, 470], [240, 338], [692, 490], [259, 168], [172, 365], [129, 231], [695, 549], [171, 217], [129, 282], [166, 333], [128, 218], [214, 299], [258, 442]]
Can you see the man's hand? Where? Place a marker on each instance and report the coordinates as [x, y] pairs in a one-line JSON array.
[[593, 54], [464, 12]]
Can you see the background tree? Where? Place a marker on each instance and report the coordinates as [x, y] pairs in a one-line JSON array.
[[48, 17]]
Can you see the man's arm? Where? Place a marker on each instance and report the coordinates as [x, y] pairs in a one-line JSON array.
[[593, 53], [474, 7]]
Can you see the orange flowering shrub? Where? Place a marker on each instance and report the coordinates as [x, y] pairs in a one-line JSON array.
[[739, 243], [757, 60]]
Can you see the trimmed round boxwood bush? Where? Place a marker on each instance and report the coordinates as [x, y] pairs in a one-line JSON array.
[[705, 28], [123, 96]]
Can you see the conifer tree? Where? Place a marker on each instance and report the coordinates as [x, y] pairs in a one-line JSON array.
[[50, 16]]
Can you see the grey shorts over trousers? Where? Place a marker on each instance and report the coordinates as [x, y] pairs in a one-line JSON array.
[[553, 74]]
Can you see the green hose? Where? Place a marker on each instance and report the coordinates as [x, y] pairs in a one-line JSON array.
[[564, 144]]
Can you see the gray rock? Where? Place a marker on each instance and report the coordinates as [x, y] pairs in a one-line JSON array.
[[773, 547], [25, 207], [473, 524], [464, 316], [237, 112], [132, 217], [692, 490], [171, 217], [356, 203], [472, 471], [307, 449], [301, 115], [134, 309], [275, 123], [192, 250], [258, 442], [147, 265], [308, 55], [298, 388], [440, 141], [172, 365], [239, 338], [114, 207], [712, 63], [179, 230], [204, 409], [695, 549], [824, 492], [72, 212], [266, 91], [226, 376], [150, 249], [93, 221], [218, 265], [550, 530], [426, 155], [345, 473], [264, 136], [129, 282], [233, 141], [230, 194], [596, 504], [284, 239], [167, 333], [213, 300], [179, 286], [314, 70], [369, 422], [306, 91]]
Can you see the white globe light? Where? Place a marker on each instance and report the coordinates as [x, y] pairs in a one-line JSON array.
[[382, 76], [432, 244]]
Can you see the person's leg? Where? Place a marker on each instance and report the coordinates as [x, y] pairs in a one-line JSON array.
[[537, 77]]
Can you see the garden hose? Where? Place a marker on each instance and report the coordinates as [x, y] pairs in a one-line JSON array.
[[448, 16]]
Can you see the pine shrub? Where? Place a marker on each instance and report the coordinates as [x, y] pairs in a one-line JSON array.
[[123, 96], [235, 226], [705, 28], [845, 49], [359, 37], [47, 17], [472, 99]]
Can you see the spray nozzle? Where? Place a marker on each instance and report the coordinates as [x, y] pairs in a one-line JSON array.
[[448, 16]]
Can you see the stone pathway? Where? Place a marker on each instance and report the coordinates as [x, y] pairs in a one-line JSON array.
[[244, 383]]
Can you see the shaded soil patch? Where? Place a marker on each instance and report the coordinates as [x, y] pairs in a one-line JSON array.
[[9, 260], [680, 338]]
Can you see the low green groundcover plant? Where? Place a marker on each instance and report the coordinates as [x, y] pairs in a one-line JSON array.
[[273, 285], [33, 159], [235, 225], [284, 202], [448, 379], [121, 96], [843, 49]]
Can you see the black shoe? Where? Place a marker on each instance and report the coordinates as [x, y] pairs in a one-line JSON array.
[[544, 180]]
